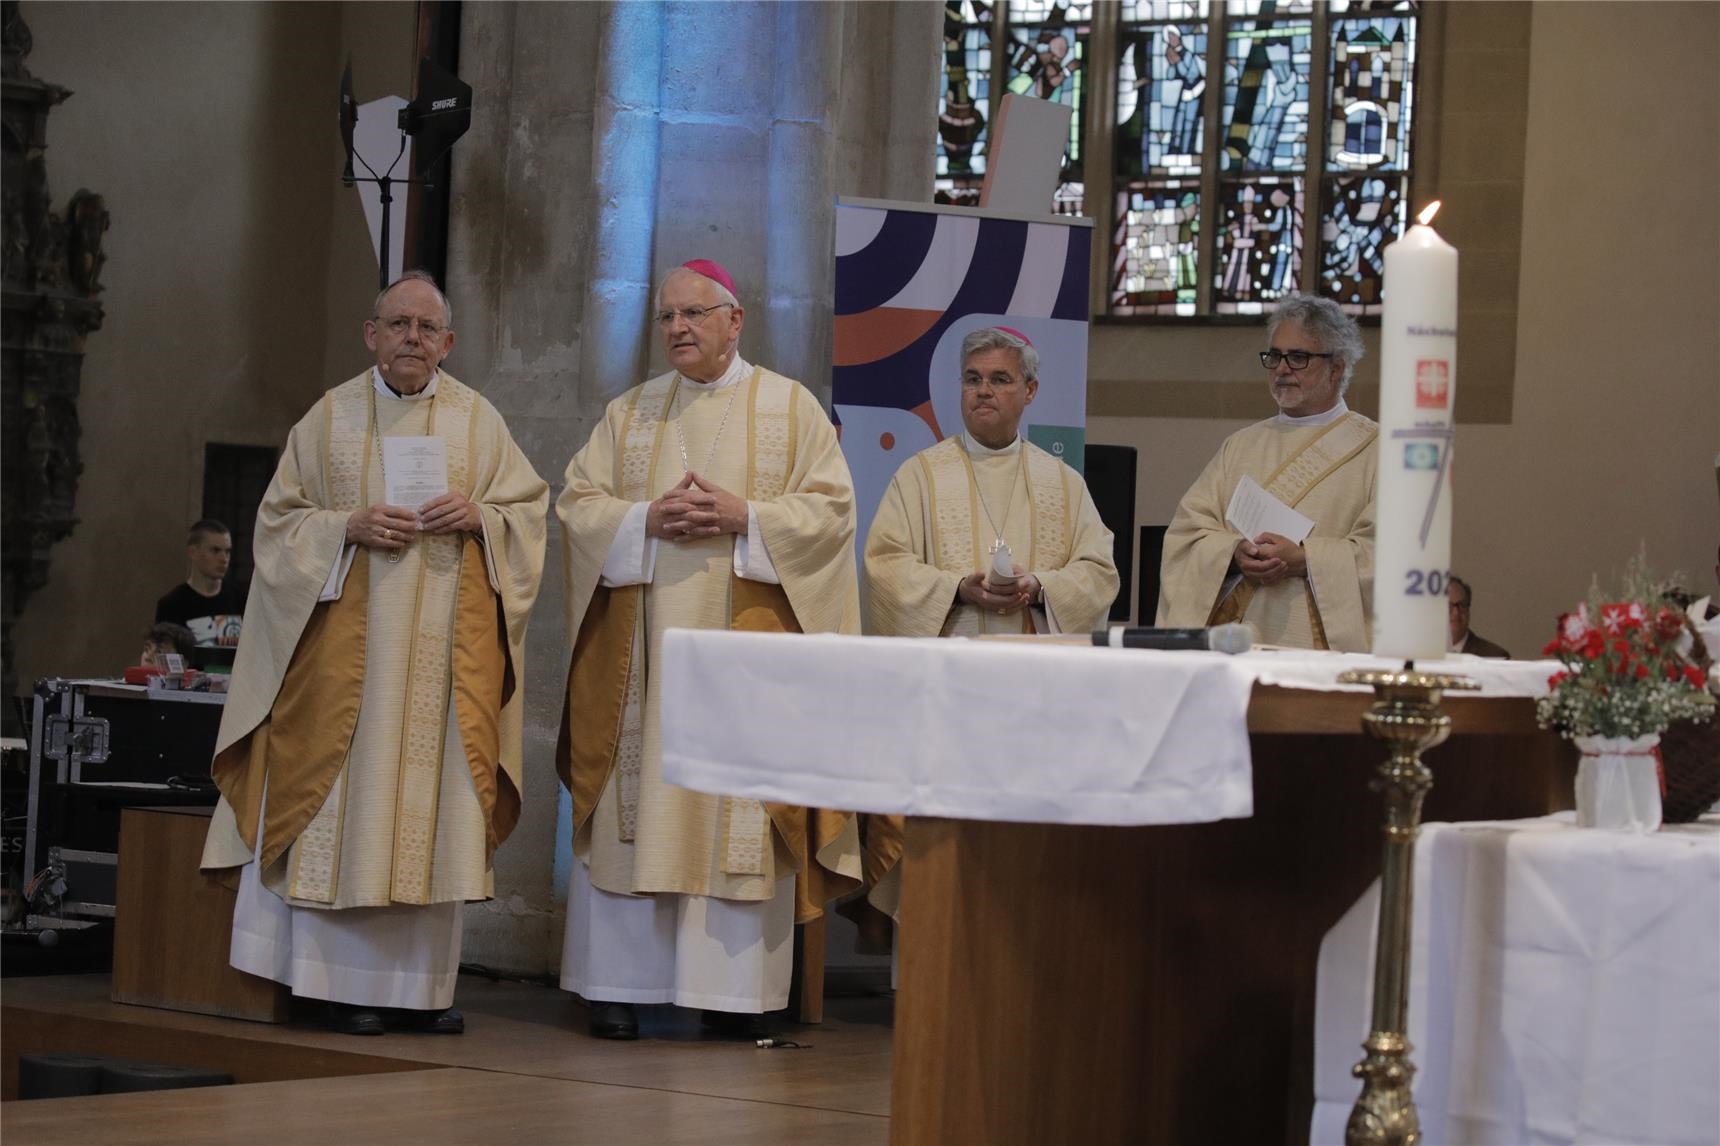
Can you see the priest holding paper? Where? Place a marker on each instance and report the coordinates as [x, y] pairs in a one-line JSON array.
[[986, 532], [369, 753], [713, 496], [1278, 530]]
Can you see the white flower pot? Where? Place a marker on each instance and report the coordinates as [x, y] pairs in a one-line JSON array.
[[1618, 784]]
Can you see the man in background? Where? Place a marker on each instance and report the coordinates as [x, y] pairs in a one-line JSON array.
[[206, 602], [1463, 640]]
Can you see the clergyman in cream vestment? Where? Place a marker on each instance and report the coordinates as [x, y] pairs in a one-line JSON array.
[[710, 497], [369, 754]]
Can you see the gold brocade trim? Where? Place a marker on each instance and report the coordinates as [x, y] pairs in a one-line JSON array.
[[641, 440], [955, 507], [1053, 533], [770, 459], [770, 437], [1314, 462], [630, 745], [642, 437], [315, 875], [424, 724], [347, 446]]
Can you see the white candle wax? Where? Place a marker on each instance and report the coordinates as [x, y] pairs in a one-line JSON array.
[[1418, 392]]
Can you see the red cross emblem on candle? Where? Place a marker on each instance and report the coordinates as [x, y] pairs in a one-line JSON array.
[[1432, 384]]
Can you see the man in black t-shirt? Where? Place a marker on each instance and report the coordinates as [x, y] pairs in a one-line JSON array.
[[206, 603]]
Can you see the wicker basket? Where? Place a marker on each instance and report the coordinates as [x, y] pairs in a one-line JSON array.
[[1691, 753]]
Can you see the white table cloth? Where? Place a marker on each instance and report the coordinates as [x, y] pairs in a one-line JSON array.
[[1564, 987], [991, 730]]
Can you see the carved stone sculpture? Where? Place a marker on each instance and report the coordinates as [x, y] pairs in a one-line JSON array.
[[51, 270]]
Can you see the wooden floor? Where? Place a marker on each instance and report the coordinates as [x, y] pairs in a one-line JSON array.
[[524, 1072]]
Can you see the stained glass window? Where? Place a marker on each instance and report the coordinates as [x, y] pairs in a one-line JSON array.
[[1295, 115], [1371, 66], [965, 105], [1157, 243], [1364, 213], [1161, 98], [1265, 118], [1257, 252], [1047, 59]]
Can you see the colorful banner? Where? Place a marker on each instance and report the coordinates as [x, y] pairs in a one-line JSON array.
[[911, 281]]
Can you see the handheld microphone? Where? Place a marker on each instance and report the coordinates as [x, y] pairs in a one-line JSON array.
[[1219, 639]]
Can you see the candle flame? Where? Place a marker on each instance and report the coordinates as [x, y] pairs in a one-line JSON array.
[[1427, 213]]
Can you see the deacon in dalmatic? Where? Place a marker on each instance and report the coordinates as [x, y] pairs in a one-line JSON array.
[[1317, 457], [710, 497], [369, 754], [982, 533]]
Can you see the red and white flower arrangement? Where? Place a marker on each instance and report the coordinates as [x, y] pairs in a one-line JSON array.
[[1627, 669]]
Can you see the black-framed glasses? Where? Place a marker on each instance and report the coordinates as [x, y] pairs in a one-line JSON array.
[[692, 315], [1298, 359]]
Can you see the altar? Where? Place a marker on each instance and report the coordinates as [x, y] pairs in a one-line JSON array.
[[1120, 863]]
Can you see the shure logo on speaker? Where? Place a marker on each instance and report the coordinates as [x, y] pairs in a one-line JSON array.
[[444, 104]]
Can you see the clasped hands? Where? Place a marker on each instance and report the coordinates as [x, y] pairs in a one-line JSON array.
[[695, 509], [392, 526], [1269, 558], [1019, 594]]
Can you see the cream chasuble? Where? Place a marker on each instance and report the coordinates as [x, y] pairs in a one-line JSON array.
[[936, 524], [764, 438], [1325, 472], [385, 725]]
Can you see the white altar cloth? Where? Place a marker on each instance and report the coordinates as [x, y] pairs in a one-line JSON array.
[[1027, 731], [1564, 987]]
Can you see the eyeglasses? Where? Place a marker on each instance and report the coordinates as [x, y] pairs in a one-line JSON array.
[[399, 325], [1298, 359], [692, 315], [973, 380]]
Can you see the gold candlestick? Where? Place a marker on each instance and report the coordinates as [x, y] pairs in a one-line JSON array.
[[1407, 717]]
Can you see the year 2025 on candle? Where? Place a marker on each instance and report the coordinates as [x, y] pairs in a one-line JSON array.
[[1418, 390]]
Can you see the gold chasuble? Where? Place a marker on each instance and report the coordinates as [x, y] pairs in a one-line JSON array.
[[1325, 472], [936, 524], [381, 730], [768, 441]]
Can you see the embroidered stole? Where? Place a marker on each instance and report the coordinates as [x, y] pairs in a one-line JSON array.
[[957, 547], [1292, 481]]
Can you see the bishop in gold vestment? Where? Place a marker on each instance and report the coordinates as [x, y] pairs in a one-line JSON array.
[[369, 754], [713, 496], [1318, 457], [954, 510]]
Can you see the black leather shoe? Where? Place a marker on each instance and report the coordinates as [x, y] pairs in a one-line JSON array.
[[349, 1020], [733, 1025], [614, 1021], [448, 1022]]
